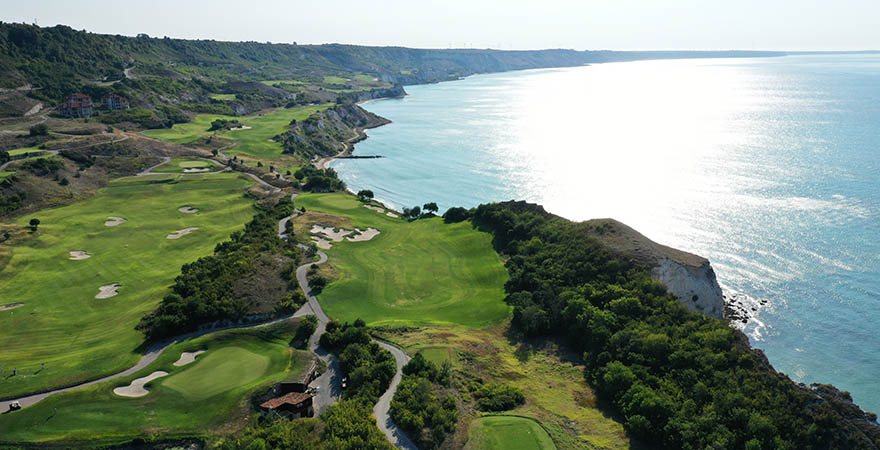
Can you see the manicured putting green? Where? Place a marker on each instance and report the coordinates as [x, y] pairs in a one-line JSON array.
[[418, 273], [200, 398], [219, 371], [180, 165], [254, 141], [509, 433], [62, 324]]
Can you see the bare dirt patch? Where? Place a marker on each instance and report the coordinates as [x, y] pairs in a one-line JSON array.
[[114, 220], [9, 306], [136, 388], [180, 233], [77, 255], [108, 291], [188, 209], [188, 358]]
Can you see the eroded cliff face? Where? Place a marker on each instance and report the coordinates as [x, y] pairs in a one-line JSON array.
[[696, 287], [689, 277]]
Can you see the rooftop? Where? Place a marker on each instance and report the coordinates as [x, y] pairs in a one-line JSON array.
[[293, 398]]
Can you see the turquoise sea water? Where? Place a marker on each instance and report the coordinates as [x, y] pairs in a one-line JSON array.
[[768, 167]]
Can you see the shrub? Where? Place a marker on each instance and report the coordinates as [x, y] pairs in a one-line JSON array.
[[498, 397]]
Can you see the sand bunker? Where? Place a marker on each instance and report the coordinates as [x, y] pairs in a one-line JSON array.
[[114, 221], [180, 233], [197, 169], [243, 127], [107, 291], [375, 208], [322, 243], [391, 214], [136, 388], [188, 357], [77, 255], [10, 306], [188, 209], [361, 236], [330, 232]]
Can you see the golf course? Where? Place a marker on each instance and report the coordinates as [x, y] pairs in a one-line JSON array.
[[509, 433], [412, 273], [94, 268], [254, 140], [193, 398], [182, 165]]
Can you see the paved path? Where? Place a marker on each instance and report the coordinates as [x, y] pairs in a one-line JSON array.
[[329, 384]]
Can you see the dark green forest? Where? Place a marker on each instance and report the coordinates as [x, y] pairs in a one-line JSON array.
[[676, 378]]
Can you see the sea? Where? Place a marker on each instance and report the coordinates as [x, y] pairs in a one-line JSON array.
[[769, 167]]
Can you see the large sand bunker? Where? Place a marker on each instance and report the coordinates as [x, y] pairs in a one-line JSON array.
[[361, 236], [77, 255], [188, 209], [180, 233], [375, 208], [114, 221], [322, 243], [10, 306], [330, 232], [391, 214], [188, 357], [136, 388], [107, 291], [197, 169]]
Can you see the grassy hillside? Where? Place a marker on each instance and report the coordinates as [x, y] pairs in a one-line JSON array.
[[509, 432], [422, 272], [200, 398], [61, 323]]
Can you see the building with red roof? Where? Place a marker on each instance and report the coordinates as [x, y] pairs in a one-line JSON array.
[[115, 102], [292, 405], [77, 105]]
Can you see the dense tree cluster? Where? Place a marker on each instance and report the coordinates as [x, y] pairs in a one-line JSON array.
[[346, 425], [223, 124], [319, 180], [368, 366], [679, 379], [419, 407], [203, 292]]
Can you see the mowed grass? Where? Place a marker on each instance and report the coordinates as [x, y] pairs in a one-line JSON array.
[[556, 394], [61, 323], [179, 165], [254, 141], [413, 273], [203, 397], [509, 433], [223, 97], [226, 368]]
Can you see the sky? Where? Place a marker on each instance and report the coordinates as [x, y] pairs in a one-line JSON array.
[[504, 24]]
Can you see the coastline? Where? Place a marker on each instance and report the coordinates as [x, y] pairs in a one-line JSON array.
[[348, 150]]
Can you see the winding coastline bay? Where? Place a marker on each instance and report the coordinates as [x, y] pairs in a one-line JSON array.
[[768, 167]]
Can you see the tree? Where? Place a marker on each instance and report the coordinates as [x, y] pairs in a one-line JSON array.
[[40, 129], [431, 207], [215, 152], [259, 164], [34, 223], [365, 194]]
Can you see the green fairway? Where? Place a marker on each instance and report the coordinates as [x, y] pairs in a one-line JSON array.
[[418, 273], [254, 141], [202, 397], [20, 151], [180, 165], [509, 433], [223, 97], [61, 323], [226, 368], [437, 355]]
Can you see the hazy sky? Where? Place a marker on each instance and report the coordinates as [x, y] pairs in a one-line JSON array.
[[507, 24]]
